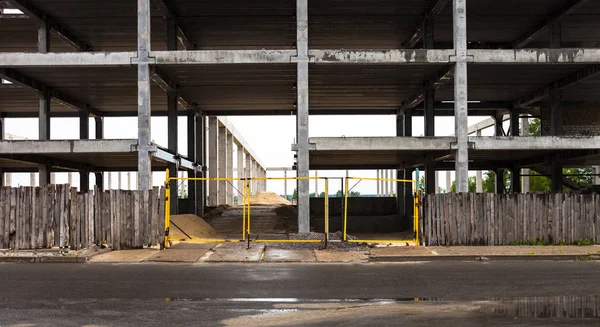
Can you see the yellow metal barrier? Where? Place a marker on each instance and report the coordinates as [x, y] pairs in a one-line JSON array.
[[415, 240]]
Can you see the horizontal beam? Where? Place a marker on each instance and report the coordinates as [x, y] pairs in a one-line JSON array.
[[43, 19], [65, 147], [373, 57], [54, 162], [543, 143], [24, 80], [182, 162]]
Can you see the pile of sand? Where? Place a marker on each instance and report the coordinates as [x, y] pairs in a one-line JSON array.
[[268, 198], [191, 226]]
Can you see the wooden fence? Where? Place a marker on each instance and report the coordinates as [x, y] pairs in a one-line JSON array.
[[58, 216], [505, 219]]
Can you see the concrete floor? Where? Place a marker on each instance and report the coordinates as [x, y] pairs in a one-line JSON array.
[[448, 294]]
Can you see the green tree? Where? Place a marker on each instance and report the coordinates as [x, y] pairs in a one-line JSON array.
[[182, 193], [295, 195]]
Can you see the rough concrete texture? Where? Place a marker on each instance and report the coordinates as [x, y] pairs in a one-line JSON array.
[[182, 252], [341, 256], [125, 256], [279, 255], [401, 251], [515, 250], [237, 252]]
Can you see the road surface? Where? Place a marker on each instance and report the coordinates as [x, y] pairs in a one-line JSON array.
[[415, 294]]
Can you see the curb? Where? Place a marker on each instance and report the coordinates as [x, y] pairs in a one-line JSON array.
[[43, 259], [546, 257]]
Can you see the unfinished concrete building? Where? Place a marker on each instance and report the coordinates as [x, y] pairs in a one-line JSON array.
[[400, 58]]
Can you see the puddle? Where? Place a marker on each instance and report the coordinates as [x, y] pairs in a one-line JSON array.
[[536, 307]]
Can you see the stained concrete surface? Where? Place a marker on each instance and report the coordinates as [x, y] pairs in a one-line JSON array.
[[427, 294], [125, 256], [183, 252], [237, 252], [281, 255]]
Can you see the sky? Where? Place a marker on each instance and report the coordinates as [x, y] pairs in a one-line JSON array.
[[270, 137]]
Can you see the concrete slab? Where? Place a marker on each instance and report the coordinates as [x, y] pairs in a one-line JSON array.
[[341, 256], [237, 252], [182, 252], [124, 256], [280, 255]]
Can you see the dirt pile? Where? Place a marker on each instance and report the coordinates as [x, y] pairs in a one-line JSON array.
[[191, 226], [266, 198]]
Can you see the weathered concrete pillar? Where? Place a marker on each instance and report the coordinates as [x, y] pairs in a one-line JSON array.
[[191, 151], [515, 180], [222, 166], [129, 180], [99, 130], [378, 183], [110, 187], [44, 38], [44, 134], [461, 95], [254, 184], [317, 183], [386, 191], [556, 112], [479, 175], [499, 173], [302, 115], [84, 134], [525, 172], [239, 193], [285, 182], [248, 168], [200, 159], [597, 178], [173, 145], [119, 180], [229, 184], [448, 182], [144, 135], [557, 176], [555, 33], [213, 160]]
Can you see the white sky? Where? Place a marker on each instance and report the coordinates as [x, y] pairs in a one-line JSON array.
[[270, 137]]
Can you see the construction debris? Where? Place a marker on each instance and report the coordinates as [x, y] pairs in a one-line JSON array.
[[267, 198]]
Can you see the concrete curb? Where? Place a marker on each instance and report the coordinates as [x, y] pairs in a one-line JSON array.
[[43, 259], [530, 257]]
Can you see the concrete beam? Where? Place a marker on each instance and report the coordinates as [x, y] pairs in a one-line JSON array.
[[42, 19], [168, 12], [66, 59], [71, 146], [26, 81], [535, 56], [402, 56], [427, 17], [170, 157], [50, 163], [197, 57], [549, 143], [544, 25]]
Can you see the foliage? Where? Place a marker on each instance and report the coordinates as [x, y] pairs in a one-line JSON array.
[[540, 242], [182, 193], [585, 242]]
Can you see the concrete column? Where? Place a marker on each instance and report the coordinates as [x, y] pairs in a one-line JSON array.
[[317, 183], [32, 180], [84, 134], [99, 130], [285, 182], [302, 115], [378, 183], [248, 168], [222, 166], [596, 179], [129, 180], [461, 95], [110, 187], [430, 179], [191, 151], [514, 123], [144, 135], [556, 114], [44, 134], [254, 184], [498, 126], [386, 190], [499, 181], [213, 161], [448, 182], [229, 184], [525, 172], [240, 174], [200, 155], [119, 180], [515, 180], [44, 37], [479, 175], [557, 176], [555, 34], [173, 142]]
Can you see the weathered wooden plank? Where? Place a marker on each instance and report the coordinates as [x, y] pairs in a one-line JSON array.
[[154, 239], [140, 221], [3, 219], [12, 231]]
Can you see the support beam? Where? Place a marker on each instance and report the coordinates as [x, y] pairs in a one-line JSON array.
[[222, 166], [44, 134], [302, 115], [525, 172], [240, 174], [556, 177], [84, 134], [514, 123], [213, 160], [461, 95], [43, 19], [44, 38], [168, 11], [515, 180], [191, 153], [499, 174], [545, 25], [556, 112], [427, 19], [230, 191], [200, 159], [99, 130], [479, 175], [172, 140], [144, 136]]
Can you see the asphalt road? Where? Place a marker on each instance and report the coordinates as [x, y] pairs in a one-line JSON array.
[[416, 294]]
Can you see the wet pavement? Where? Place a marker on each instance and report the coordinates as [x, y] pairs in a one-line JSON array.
[[415, 294]]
